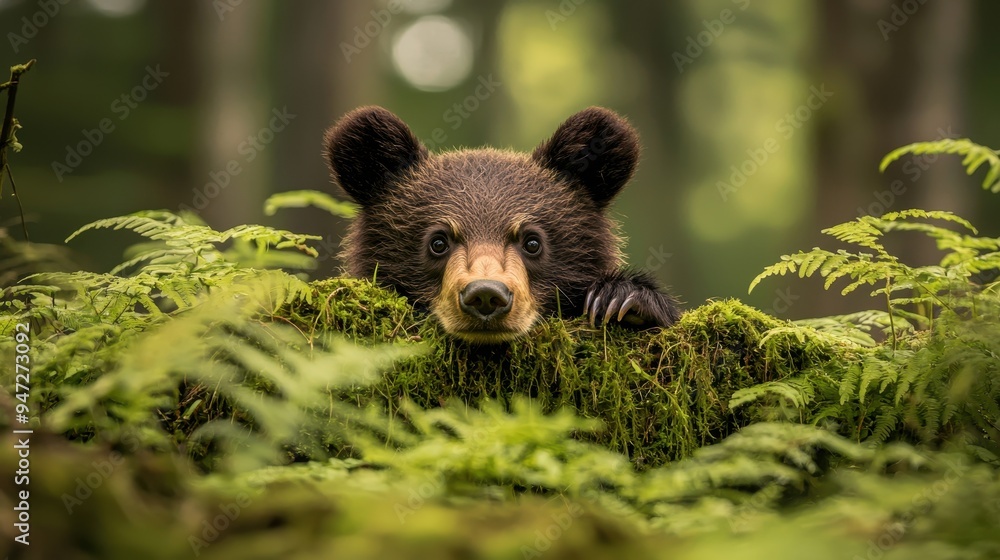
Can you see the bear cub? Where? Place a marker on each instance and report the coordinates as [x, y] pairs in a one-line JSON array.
[[491, 240]]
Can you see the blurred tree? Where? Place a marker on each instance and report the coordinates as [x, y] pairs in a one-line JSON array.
[[982, 109], [180, 93], [482, 19], [80, 83], [901, 74], [236, 106], [649, 32], [316, 82], [742, 165]]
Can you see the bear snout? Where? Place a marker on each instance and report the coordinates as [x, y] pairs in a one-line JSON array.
[[486, 299]]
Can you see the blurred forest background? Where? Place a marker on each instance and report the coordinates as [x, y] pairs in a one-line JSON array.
[[763, 121]]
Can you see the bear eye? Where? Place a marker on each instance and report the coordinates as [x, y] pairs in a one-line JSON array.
[[439, 245], [532, 245]]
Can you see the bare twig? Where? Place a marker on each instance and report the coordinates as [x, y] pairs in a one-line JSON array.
[[9, 128], [20, 209]]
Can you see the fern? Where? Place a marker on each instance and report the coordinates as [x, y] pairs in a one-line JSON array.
[[884, 427], [100, 315], [929, 287], [938, 378], [195, 245], [856, 327], [975, 157], [302, 199], [795, 392]]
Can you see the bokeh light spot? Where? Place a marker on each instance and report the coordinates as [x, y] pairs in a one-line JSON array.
[[425, 6], [117, 8], [433, 53]]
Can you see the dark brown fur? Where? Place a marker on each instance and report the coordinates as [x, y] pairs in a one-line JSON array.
[[491, 199]]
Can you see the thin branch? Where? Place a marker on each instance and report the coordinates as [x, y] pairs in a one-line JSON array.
[[20, 209], [888, 304], [9, 127]]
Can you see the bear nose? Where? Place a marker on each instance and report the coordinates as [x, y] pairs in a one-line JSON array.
[[486, 299]]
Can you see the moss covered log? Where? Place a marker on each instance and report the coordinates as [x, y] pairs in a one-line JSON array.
[[660, 394]]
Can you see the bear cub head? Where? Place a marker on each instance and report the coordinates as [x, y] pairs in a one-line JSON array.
[[489, 240]]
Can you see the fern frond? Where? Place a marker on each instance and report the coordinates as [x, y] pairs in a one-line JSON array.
[[304, 198], [796, 392], [154, 257], [853, 327], [895, 220], [862, 231], [975, 156], [786, 265], [147, 223], [849, 383], [179, 247], [877, 372], [264, 237], [885, 424], [807, 263]]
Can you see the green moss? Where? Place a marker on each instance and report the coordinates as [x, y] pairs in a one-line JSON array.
[[661, 394]]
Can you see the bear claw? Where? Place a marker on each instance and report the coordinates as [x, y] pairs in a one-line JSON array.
[[632, 299]]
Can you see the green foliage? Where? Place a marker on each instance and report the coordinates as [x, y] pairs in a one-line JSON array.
[[171, 273], [975, 157], [949, 285], [196, 245], [331, 418], [929, 385], [87, 327], [303, 199], [19, 259]]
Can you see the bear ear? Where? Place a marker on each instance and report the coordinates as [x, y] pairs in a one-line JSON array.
[[596, 149], [368, 149]]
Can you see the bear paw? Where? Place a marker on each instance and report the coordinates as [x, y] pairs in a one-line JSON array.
[[631, 299]]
